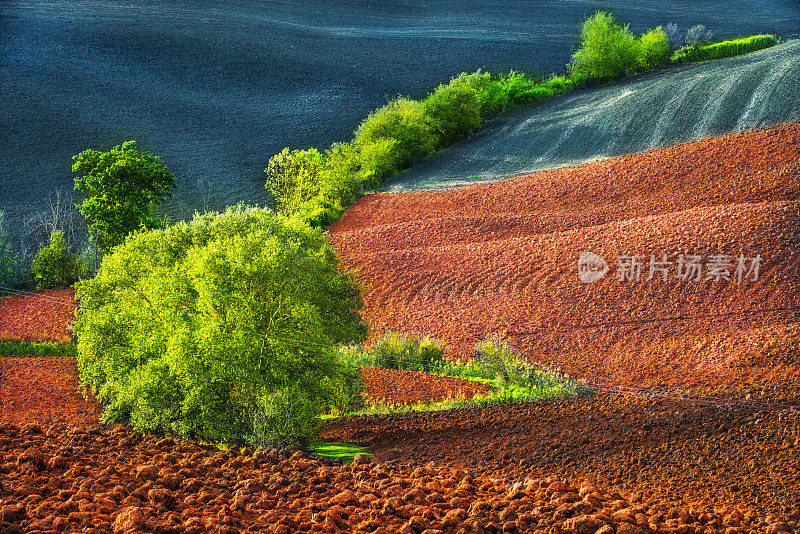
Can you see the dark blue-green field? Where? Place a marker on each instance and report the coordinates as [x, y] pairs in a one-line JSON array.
[[216, 88]]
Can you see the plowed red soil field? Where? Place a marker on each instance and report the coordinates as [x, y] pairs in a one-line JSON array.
[[386, 386], [43, 390], [500, 259], [673, 452], [503, 258], [43, 316], [113, 480]]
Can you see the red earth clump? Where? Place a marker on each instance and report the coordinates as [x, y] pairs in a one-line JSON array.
[[674, 452], [388, 386], [503, 258], [111, 479], [41, 316]]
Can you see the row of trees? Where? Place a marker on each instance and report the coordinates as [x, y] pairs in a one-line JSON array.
[[318, 186]]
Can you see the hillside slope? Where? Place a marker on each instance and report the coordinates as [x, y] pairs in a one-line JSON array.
[[652, 111], [503, 258]]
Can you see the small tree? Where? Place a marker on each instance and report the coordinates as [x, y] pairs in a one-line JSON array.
[[53, 265], [607, 49], [120, 186], [654, 48], [293, 177]]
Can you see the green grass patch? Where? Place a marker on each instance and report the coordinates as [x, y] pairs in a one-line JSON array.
[[345, 452], [500, 394], [723, 49], [13, 347]]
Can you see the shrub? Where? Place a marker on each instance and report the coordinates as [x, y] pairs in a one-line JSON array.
[[201, 326], [607, 49], [489, 92], [522, 91], [401, 351], [454, 110], [403, 121], [293, 177], [733, 47], [654, 48], [121, 186], [54, 266], [499, 359]]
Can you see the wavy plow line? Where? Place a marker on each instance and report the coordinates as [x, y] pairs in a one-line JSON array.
[[555, 115], [670, 110], [716, 100], [586, 118], [757, 106], [652, 92]]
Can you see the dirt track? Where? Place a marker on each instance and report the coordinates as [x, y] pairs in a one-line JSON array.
[[502, 258]]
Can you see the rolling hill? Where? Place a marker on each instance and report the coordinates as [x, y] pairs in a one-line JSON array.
[[651, 111], [503, 258]]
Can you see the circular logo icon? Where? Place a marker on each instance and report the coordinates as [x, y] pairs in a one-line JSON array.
[[591, 267]]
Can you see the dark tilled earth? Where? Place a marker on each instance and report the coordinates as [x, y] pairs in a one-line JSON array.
[[672, 452]]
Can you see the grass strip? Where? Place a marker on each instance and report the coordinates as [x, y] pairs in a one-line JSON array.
[[501, 393], [345, 452], [15, 347]]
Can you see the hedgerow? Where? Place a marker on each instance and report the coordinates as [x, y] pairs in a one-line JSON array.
[[403, 131], [394, 137], [733, 47]]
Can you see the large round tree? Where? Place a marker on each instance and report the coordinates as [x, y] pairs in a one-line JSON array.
[[218, 328]]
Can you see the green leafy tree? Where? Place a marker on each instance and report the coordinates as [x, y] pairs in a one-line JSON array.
[[654, 48], [218, 328], [121, 187], [293, 177], [54, 266], [607, 49]]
